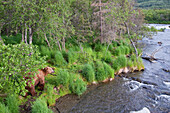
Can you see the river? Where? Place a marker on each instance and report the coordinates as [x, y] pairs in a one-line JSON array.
[[124, 94]]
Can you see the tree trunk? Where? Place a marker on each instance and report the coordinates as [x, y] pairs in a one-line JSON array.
[[23, 35], [26, 34], [59, 45], [131, 40], [47, 41], [101, 27], [63, 43], [30, 35], [1, 40]]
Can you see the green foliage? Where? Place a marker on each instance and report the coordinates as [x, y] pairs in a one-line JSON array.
[[45, 51], [4, 109], [63, 78], [77, 85], [98, 47], [15, 62], [88, 73], [50, 97], [13, 39], [121, 50], [161, 16], [72, 56], [59, 59], [100, 71], [120, 62], [108, 70], [107, 57], [12, 103], [40, 106], [130, 63]]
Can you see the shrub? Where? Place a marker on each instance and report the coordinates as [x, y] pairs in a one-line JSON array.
[[107, 57], [12, 103], [40, 106], [50, 97], [63, 78], [108, 70], [127, 50], [100, 72], [59, 59], [72, 56], [77, 85], [98, 47], [45, 51], [130, 63], [117, 51], [122, 60], [16, 61], [116, 66], [15, 39], [88, 73], [4, 109]]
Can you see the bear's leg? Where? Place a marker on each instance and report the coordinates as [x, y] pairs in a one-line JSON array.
[[32, 90], [42, 84]]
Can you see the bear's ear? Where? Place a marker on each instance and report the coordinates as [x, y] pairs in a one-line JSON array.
[[46, 68]]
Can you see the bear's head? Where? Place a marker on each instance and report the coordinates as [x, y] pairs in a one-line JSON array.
[[49, 70]]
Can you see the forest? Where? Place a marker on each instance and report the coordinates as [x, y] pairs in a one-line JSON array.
[[153, 4], [85, 41]]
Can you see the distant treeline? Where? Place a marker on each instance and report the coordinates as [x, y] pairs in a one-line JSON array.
[[161, 16], [153, 4]]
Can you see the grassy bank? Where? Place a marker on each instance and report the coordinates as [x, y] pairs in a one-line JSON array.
[[77, 67]]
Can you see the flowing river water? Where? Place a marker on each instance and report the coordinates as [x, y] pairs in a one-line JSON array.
[[150, 88]]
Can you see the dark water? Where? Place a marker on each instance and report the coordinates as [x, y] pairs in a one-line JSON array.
[[124, 95]]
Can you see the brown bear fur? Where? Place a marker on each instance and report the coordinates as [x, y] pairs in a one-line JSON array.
[[39, 80]]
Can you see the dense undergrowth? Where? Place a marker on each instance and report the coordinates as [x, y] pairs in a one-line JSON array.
[[76, 68]]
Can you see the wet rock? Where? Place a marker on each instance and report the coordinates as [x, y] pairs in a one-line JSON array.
[[149, 83], [144, 110], [160, 43], [125, 70], [166, 70]]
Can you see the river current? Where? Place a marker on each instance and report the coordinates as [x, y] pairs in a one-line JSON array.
[[151, 89]]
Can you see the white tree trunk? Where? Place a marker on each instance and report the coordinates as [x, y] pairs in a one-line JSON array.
[[30, 35], [26, 34]]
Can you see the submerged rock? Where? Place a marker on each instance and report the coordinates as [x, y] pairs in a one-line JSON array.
[[144, 110]]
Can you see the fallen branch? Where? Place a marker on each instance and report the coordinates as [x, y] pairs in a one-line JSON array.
[[3, 95]]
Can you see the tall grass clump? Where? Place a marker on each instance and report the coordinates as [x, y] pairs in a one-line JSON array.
[[98, 47], [72, 56], [108, 70], [77, 85], [45, 51], [4, 109], [59, 59], [50, 97], [12, 103], [62, 78], [100, 71], [107, 57], [88, 73], [117, 51], [120, 62], [40, 106]]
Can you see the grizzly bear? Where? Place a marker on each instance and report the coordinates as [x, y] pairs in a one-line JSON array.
[[39, 80]]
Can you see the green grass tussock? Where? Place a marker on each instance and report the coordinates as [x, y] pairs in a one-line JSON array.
[[13, 103], [40, 106], [100, 71], [4, 109], [77, 85], [88, 73]]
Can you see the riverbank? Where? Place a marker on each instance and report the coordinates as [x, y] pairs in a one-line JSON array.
[[132, 91]]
